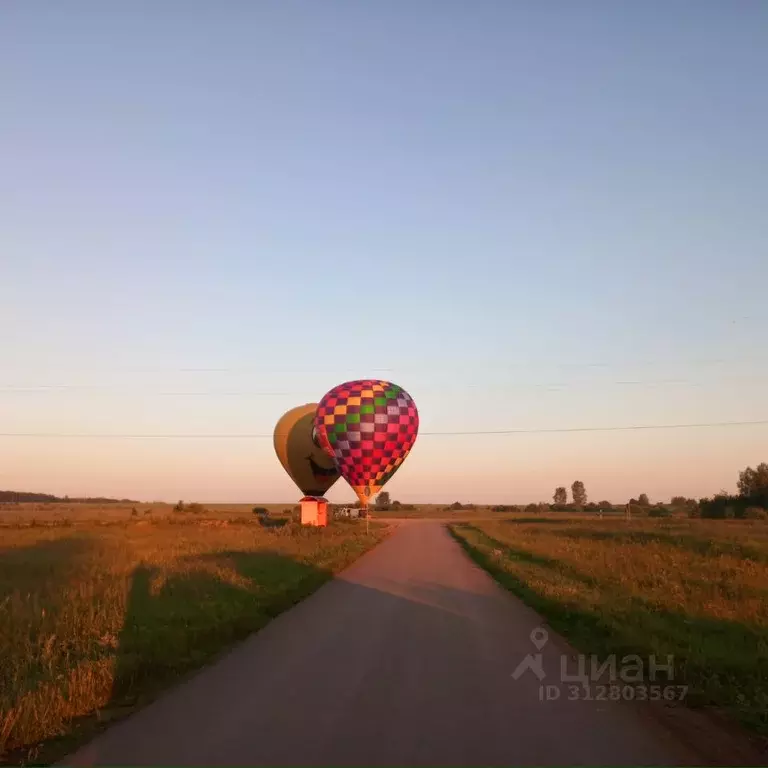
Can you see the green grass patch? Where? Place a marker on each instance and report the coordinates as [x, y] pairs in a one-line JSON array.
[[691, 591], [95, 619]]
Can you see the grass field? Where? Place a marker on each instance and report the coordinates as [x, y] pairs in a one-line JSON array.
[[695, 589], [97, 615], [64, 513]]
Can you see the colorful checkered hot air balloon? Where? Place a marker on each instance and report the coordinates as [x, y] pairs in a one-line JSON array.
[[368, 427]]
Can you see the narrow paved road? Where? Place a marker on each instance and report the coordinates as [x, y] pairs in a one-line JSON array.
[[405, 659]]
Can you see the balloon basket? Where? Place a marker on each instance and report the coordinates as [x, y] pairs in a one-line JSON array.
[[314, 511]]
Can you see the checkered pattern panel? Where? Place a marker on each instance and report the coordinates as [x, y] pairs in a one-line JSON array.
[[369, 427]]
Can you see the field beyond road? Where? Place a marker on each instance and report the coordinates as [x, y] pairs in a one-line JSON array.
[[96, 616], [695, 589]]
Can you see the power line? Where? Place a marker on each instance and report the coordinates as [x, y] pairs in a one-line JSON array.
[[253, 436], [406, 366], [47, 389], [629, 428]]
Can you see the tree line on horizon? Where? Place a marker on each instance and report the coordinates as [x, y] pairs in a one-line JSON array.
[[751, 501], [47, 498]]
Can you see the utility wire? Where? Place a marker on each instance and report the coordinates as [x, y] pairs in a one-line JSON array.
[[408, 368], [47, 389], [250, 436]]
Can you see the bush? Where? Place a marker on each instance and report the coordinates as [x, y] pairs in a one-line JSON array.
[[532, 509], [179, 507], [271, 522], [722, 507], [195, 508], [262, 510], [725, 506], [659, 512], [134, 512], [755, 513]]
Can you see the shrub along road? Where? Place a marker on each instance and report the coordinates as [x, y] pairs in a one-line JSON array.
[[406, 658]]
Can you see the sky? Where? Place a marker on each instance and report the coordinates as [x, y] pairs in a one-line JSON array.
[[532, 216]]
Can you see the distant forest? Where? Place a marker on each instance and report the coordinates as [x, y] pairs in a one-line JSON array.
[[20, 496]]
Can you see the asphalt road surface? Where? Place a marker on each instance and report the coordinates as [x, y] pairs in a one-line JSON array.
[[406, 658]]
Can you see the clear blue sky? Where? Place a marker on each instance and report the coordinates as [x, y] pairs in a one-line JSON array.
[[530, 215]]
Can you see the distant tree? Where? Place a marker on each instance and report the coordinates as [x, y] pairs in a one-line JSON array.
[[179, 507], [682, 501], [457, 505], [643, 500], [721, 505], [604, 505], [532, 509], [753, 483], [560, 496], [382, 500], [579, 493], [21, 496]]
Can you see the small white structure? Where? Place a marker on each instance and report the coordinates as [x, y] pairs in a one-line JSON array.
[[350, 512]]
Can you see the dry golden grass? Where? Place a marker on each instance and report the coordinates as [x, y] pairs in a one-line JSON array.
[[66, 513], [73, 512], [96, 616], [695, 589]]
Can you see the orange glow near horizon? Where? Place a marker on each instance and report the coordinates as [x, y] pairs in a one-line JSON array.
[[480, 469]]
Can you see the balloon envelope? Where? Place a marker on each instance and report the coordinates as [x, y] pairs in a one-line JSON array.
[[369, 427], [308, 465]]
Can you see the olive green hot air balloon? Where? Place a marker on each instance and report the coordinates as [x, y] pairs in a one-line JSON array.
[[308, 465]]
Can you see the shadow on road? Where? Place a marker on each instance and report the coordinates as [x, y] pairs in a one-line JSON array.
[[174, 623]]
